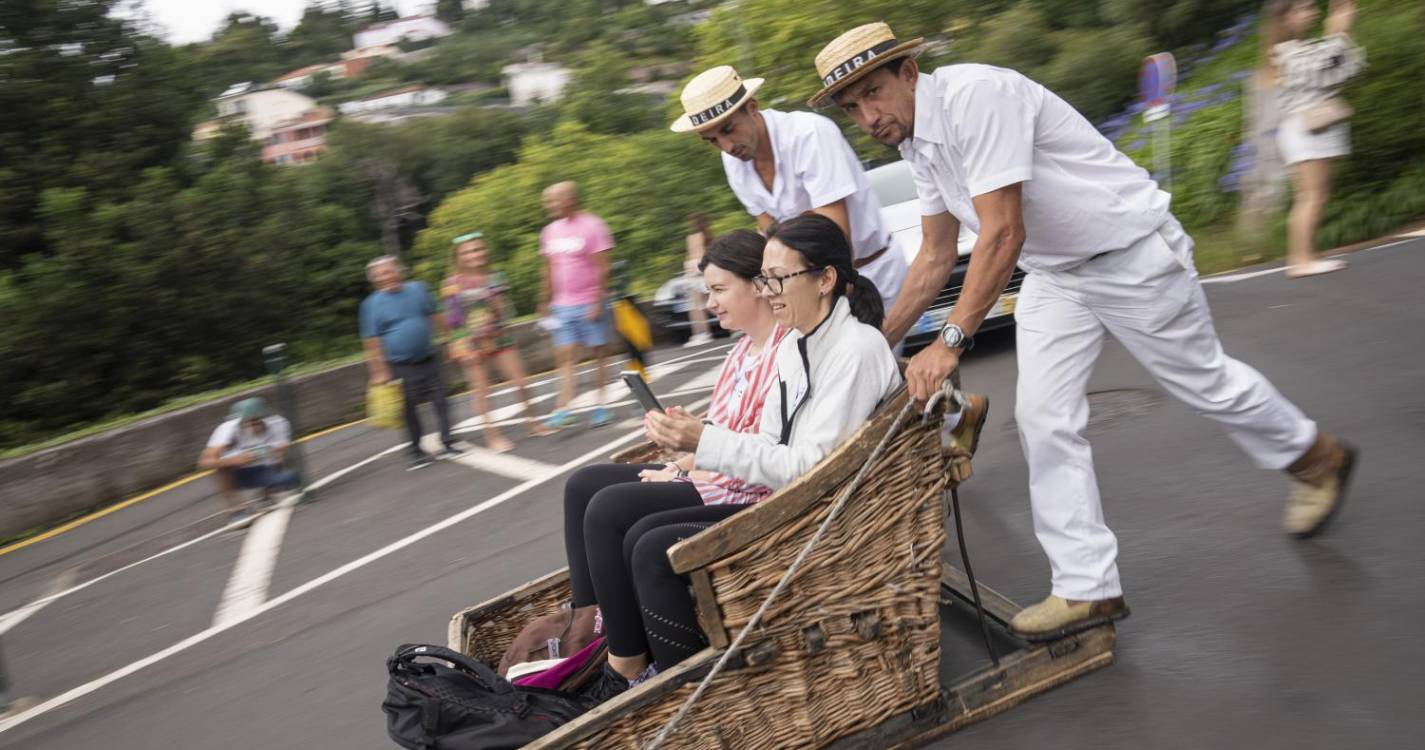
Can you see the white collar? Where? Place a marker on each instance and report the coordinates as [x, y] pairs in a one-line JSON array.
[[928, 111]]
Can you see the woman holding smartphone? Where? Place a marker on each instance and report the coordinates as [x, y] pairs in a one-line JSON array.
[[825, 378]]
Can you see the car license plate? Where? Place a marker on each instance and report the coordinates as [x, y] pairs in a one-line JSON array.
[[1006, 303]]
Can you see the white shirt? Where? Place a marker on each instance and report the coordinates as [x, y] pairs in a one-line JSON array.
[[979, 128], [815, 167], [234, 439], [851, 372]]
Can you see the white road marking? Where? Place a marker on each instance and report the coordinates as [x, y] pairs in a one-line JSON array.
[[1229, 278], [57, 590], [44, 601], [514, 413], [271, 604], [1235, 277], [247, 586], [504, 464]]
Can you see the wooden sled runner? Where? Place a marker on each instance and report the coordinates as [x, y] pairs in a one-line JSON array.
[[849, 656]]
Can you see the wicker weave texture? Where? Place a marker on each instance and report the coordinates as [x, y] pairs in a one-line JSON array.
[[486, 634], [853, 641]]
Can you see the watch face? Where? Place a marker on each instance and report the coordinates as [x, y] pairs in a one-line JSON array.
[[952, 336]]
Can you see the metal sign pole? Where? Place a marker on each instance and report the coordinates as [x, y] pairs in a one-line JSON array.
[[276, 358], [1156, 81]]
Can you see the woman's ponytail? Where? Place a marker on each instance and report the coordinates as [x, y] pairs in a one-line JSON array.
[[865, 299]]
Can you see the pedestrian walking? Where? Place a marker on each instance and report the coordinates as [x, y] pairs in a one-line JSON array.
[[398, 321], [697, 244]]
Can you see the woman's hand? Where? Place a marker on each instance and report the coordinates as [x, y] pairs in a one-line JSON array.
[[1341, 17], [668, 473], [674, 430]]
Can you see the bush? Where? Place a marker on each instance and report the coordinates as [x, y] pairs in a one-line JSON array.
[[1096, 70]]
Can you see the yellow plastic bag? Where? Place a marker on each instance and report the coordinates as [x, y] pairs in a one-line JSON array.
[[384, 404], [637, 334]]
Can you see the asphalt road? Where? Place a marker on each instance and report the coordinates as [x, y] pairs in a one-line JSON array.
[[1239, 636]]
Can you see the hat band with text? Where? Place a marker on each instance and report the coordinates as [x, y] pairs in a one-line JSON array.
[[719, 109], [859, 59]]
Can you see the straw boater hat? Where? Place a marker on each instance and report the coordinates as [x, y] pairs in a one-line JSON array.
[[850, 56], [712, 96]]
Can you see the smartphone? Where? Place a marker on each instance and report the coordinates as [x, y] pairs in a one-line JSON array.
[[641, 391]]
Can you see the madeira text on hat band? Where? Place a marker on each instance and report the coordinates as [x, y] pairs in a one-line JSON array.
[[718, 109], [850, 66]]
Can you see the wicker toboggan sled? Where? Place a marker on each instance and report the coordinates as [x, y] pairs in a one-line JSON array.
[[848, 656]]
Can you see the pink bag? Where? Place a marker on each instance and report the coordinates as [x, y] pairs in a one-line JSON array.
[[556, 677]]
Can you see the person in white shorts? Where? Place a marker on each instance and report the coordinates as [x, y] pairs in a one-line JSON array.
[[993, 150], [1315, 127]]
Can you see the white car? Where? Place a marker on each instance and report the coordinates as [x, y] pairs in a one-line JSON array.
[[895, 188]]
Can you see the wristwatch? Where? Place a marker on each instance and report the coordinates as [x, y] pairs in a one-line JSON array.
[[953, 336]]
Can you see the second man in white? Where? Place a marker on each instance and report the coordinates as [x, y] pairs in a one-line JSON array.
[[784, 164]]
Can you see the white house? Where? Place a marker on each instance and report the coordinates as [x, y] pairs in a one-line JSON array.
[[410, 96], [534, 82], [412, 28], [259, 108]]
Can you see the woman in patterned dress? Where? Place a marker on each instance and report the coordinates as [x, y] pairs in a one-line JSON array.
[[477, 303]]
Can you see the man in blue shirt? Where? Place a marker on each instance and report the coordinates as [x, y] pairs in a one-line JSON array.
[[396, 324]]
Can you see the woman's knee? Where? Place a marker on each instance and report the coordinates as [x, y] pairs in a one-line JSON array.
[[607, 510], [580, 488], [649, 552]]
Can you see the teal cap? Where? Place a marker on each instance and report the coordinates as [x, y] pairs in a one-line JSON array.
[[249, 408], [467, 237]]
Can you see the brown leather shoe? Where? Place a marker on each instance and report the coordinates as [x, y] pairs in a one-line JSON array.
[[1320, 478], [972, 422], [1055, 618]]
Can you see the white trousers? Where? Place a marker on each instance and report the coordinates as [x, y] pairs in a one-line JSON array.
[[1149, 297]]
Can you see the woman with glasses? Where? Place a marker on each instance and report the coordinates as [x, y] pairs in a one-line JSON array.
[[606, 505], [830, 373]]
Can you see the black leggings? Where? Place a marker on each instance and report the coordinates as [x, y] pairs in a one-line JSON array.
[[617, 531]]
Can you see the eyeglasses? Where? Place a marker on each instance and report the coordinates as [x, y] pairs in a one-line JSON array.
[[774, 284]]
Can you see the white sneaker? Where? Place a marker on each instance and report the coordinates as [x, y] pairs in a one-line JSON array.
[[1315, 268], [698, 339]]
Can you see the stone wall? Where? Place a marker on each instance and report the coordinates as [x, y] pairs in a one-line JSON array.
[[48, 486]]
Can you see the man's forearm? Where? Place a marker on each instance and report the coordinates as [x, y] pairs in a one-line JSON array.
[[991, 266], [925, 278], [375, 358]]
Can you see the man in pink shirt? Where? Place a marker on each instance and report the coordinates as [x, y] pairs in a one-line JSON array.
[[575, 247]]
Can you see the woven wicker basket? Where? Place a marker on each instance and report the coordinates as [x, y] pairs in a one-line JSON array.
[[853, 641]]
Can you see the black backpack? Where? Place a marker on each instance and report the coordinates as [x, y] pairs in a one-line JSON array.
[[431, 706]]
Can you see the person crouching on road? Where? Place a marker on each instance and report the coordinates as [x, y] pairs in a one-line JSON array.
[[248, 451]]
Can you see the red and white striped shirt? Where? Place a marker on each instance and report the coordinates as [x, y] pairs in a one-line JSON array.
[[742, 388]]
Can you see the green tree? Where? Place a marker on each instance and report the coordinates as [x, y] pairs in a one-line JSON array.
[[246, 48], [323, 32], [88, 102], [594, 97]]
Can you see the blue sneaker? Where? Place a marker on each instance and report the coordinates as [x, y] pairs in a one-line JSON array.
[[600, 417], [559, 419]]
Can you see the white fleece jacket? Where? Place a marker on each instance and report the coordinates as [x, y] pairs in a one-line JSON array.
[[852, 371]]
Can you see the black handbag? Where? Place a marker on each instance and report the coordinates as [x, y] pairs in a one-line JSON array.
[[439, 699]]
